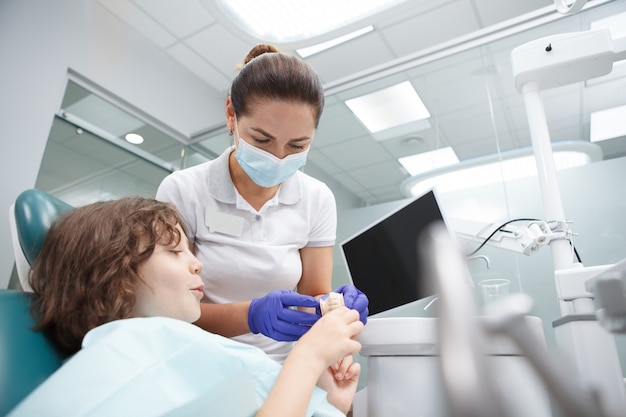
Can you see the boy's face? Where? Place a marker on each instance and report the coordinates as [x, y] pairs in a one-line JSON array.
[[172, 285]]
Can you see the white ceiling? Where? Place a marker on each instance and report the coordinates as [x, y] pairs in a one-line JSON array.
[[456, 53]]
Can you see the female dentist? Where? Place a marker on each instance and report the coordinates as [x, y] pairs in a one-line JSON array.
[[263, 229]]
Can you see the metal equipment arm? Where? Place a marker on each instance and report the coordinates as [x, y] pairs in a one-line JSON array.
[[526, 239]]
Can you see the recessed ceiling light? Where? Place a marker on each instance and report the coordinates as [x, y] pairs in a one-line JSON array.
[[607, 124], [616, 24], [492, 169], [291, 21], [311, 50], [428, 161], [134, 138], [389, 107]]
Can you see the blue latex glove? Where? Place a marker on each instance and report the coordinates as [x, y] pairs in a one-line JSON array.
[[271, 315], [354, 299]]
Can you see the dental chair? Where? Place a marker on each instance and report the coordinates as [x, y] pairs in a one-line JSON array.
[[30, 218], [27, 357]]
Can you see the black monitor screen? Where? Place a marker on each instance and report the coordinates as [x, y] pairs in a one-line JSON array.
[[382, 260]]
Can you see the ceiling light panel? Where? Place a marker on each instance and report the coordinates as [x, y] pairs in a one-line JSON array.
[[616, 24], [607, 124], [389, 107], [428, 161], [290, 21], [495, 172], [491, 169], [311, 50]]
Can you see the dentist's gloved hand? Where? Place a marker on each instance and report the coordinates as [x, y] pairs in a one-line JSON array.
[[271, 315], [354, 299]]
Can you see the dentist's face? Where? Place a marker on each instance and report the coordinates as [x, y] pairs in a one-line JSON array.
[[279, 127], [172, 285]]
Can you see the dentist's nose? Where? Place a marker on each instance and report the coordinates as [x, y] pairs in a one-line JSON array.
[[279, 153]]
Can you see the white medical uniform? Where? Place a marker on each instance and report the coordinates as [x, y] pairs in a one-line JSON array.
[[248, 253], [148, 367]]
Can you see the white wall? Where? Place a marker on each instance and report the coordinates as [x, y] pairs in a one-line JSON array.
[[39, 41]]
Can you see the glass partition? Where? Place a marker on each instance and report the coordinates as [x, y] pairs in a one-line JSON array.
[[87, 157], [476, 109]]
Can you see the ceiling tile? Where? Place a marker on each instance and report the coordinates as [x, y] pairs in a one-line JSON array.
[[385, 194], [322, 161], [355, 153], [341, 61], [337, 124], [436, 26], [367, 197], [140, 21], [468, 125], [194, 63], [491, 12], [180, 17], [385, 174], [219, 46], [347, 181]]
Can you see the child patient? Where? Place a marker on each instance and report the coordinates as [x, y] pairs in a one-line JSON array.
[[117, 282]]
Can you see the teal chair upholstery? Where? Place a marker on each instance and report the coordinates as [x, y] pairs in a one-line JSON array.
[[30, 218], [35, 210], [27, 357]]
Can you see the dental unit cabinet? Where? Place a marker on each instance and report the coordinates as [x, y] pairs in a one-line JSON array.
[[404, 374]]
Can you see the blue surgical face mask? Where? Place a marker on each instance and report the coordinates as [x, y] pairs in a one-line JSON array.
[[264, 168]]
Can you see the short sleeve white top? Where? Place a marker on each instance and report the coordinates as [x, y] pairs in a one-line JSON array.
[[261, 253]]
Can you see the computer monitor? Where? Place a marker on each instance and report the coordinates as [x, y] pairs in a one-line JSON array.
[[382, 259]]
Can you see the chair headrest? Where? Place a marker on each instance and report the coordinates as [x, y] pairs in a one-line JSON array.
[[35, 210]]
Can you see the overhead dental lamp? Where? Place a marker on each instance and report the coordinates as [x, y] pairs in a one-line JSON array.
[[542, 64]]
